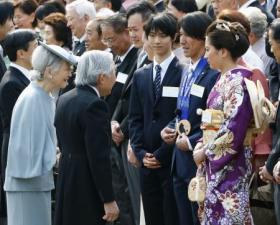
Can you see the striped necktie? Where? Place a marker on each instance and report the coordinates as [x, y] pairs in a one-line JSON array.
[[157, 81]]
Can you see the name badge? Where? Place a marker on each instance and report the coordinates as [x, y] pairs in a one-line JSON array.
[[172, 92], [197, 90], [206, 117], [121, 77]]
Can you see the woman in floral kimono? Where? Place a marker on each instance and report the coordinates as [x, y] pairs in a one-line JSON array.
[[226, 158]]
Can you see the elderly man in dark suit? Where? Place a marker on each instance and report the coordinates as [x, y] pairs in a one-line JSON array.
[[18, 45], [152, 106], [116, 37], [192, 39], [84, 189]]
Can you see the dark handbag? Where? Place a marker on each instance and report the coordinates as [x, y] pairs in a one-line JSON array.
[[261, 202]]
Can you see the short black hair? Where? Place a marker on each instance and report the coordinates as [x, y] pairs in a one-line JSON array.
[[186, 6], [118, 22], [275, 30], [6, 12], [164, 22], [230, 36], [17, 40], [195, 24], [47, 8], [28, 7], [144, 8]]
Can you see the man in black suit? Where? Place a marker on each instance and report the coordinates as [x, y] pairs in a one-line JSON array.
[[6, 24], [152, 105], [18, 45], [116, 37], [84, 188], [192, 39], [137, 15]]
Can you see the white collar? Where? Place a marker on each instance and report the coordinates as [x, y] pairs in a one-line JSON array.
[[194, 65], [125, 54], [165, 63], [24, 71], [159, 1], [80, 39], [96, 90]]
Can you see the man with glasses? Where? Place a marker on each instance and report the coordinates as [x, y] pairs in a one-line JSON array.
[[115, 35]]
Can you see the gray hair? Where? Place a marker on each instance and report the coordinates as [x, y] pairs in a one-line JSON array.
[[82, 7], [258, 20], [91, 65], [41, 59]]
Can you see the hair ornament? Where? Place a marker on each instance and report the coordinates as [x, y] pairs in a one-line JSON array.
[[223, 26]]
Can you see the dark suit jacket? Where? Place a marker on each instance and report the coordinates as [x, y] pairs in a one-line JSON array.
[[183, 161], [275, 153], [2, 67], [121, 111], [127, 66], [84, 134], [11, 86], [148, 117], [274, 81]]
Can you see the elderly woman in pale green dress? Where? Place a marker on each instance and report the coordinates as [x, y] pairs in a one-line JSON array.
[[32, 145]]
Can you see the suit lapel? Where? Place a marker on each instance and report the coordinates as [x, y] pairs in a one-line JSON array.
[[127, 60], [172, 69], [200, 77], [2, 67], [19, 75]]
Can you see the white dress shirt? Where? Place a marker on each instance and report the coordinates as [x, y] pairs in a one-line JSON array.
[[164, 66]]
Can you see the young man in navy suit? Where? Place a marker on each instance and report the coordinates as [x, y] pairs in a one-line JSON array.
[[18, 45], [152, 105], [196, 84]]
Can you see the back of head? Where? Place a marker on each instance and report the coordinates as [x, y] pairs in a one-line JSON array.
[[144, 8], [91, 65], [275, 30], [257, 19], [235, 16], [82, 8], [186, 6], [49, 7], [195, 24], [61, 31], [118, 22], [17, 40], [116, 5], [164, 22], [231, 36], [6, 11]]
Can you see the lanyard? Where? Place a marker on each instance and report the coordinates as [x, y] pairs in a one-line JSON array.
[[185, 89]]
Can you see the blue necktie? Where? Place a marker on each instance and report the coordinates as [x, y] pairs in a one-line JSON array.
[[157, 81]]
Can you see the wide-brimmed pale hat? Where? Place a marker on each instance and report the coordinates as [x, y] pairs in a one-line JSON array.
[[61, 53]]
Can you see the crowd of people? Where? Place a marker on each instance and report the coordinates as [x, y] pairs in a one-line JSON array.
[[109, 104]]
